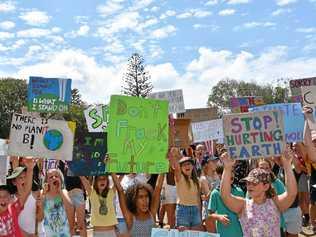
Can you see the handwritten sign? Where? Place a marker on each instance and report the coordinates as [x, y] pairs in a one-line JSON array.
[[3, 162], [158, 232], [137, 135], [175, 98], [97, 118], [293, 119], [295, 86], [40, 137], [242, 104], [207, 130], [89, 154], [49, 94], [254, 134], [199, 114]]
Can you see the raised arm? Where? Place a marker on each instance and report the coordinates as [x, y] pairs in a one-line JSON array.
[[235, 204], [156, 195], [285, 200], [310, 148], [86, 184], [174, 156], [68, 207], [29, 164], [122, 199]]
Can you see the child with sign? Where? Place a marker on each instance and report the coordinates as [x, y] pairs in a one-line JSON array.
[[10, 211], [260, 215], [139, 205], [101, 197]]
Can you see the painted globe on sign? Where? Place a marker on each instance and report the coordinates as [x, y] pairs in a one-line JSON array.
[[53, 139]]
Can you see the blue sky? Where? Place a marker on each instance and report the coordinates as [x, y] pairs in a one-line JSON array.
[[187, 44]]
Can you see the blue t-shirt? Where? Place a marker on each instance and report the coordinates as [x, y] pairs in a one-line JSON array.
[[216, 205]]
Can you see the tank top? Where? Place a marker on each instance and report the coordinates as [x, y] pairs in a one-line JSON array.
[[187, 196], [28, 215], [260, 220], [142, 228], [55, 218]]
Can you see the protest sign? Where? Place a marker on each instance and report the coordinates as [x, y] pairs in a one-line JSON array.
[[40, 137], [295, 86], [242, 104], [158, 232], [3, 162], [97, 118], [137, 135], [254, 134], [293, 119], [183, 135], [309, 96], [199, 115], [207, 130], [3, 147], [175, 98], [89, 154], [48, 94]]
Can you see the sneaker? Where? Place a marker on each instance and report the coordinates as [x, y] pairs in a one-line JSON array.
[[304, 221]]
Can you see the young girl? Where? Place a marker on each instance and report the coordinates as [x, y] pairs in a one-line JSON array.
[[101, 197], [188, 211], [139, 206], [58, 210], [260, 215]]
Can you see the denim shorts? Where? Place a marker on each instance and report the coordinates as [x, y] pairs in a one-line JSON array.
[[188, 216], [76, 197], [121, 226]]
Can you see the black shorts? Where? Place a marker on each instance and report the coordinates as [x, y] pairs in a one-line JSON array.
[[312, 181]]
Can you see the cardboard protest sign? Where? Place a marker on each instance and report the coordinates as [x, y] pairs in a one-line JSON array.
[[175, 98], [137, 135], [3, 162], [158, 232], [295, 86], [242, 104], [183, 135], [309, 96], [199, 115], [97, 118], [254, 134], [293, 119], [40, 137], [48, 94], [207, 130], [89, 154]]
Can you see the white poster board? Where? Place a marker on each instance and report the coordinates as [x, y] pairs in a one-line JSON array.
[[3, 162], [97, 118], [41, 138], [254, 134], [207, 130], [175, 98]]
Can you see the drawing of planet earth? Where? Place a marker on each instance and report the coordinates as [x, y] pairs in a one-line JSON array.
[[53, 139]]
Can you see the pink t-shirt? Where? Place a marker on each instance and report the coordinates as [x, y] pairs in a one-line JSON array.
[[9, 225], [260, 220]]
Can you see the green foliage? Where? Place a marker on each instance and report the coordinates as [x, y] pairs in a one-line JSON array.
[[13, 94], [228, 88], [136, 79]]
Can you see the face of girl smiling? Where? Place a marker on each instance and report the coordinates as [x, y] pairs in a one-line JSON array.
[[102, 183], [19, 181], [186, 168]]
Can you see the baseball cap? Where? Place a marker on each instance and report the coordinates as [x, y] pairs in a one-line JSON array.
[[16, 172], [258, 175], [208, 158], [185, 159]]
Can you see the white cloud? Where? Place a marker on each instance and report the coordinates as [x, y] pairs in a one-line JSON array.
[[33, 33], [7, 6], [168, 13], [285, 2], [238, 1], [194, 13], [111, 7], [7, 25], [281, 11], [205, 26], [56, 29], [227, 12], [211, 2], [307, 30], [35, 17], [255, 24], [6, 35], [148, 23], [83, 30], [163, 32]]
